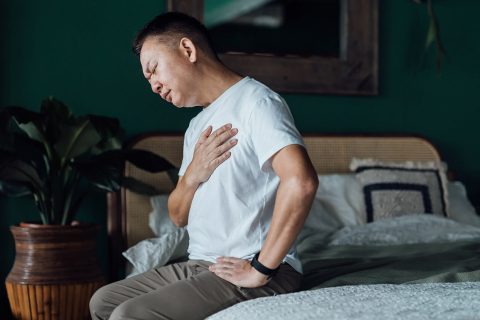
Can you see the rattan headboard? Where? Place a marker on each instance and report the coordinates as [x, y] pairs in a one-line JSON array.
[[128, 212]]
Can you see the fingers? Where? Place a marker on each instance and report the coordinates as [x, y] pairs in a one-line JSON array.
[[218, 145], [205, 134], [212, 149], [220, 130], [225, 276], [222, 134], [229, 260], [219, 160]]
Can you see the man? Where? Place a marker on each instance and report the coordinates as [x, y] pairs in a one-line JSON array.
[[246, 185]]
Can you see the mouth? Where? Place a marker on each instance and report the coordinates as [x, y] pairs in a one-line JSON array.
[[166, 96]]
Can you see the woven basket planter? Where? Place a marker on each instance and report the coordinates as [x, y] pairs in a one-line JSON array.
[[55, 271]]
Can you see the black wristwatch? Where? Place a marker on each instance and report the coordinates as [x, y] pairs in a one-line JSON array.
[[261, 268]]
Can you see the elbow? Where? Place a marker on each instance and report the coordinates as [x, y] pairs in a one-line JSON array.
[[313, 183], [178, 222], [308, 185], [304, 186]]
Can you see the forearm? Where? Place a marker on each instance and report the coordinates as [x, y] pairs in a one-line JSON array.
[[180, 200], [211, 150], [293, 202]]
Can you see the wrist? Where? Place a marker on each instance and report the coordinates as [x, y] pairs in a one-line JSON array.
[[262, 269], [258, 277], [190, 180]]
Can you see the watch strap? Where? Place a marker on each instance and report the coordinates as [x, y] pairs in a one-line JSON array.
[[257, 265]]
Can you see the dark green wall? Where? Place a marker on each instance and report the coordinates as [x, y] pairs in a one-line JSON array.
[[80, 52]]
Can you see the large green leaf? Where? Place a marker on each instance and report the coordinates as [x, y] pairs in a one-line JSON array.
[[28, 121], [14, 169], [112, 143], [139, 187], [25, 149], [22, 115], [147, 160], [108, 179], [110, 132], [173, 175], [33, 131], [15, 188], [56, 113], [77, 137], [54, 108], [106, 170], [106, 126]]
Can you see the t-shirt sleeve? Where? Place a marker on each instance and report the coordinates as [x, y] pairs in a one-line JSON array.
[[272, 128], [187, 154], [185, 160]]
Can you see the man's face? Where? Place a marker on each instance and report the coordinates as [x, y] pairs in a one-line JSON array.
[[168, 71]]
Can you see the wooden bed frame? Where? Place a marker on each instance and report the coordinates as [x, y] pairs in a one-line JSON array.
[[128, 212]]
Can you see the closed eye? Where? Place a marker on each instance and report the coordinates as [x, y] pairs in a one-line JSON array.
[[150, 72], [153, 71]]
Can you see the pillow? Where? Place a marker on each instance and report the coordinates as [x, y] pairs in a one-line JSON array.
[[392, 189], [338, 202], [460, 208], [171, 242], [408, 229], [159, 220], [156, 252]]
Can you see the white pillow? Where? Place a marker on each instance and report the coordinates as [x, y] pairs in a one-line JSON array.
[[156, 252], [171, 242], [159, 220], [460, 208], [338, 203]]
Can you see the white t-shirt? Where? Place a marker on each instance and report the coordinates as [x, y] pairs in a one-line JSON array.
[[231, 212]]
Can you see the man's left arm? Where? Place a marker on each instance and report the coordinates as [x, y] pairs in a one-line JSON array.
[[295, 194]]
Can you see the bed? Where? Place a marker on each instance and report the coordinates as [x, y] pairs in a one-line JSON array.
[[389, 235]]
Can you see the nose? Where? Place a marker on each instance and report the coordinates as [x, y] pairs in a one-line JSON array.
[[156, 87]]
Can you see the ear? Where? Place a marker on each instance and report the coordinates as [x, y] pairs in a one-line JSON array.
[[188, 49]]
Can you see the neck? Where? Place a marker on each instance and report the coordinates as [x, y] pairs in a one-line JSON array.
[[215, 79]]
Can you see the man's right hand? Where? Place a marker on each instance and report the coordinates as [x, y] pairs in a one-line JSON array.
[[211, 150]]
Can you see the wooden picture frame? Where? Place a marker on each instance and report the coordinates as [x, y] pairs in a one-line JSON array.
[[354, 72]]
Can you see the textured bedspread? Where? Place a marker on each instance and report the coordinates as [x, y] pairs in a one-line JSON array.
[[441, 301], [409, 268]]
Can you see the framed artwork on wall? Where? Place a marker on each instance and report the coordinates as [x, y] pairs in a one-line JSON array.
[[347, 65]]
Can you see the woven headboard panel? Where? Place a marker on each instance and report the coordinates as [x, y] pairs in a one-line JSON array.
[[128, 216]]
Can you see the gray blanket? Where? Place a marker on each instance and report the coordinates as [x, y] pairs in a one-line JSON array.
[[413, 263]]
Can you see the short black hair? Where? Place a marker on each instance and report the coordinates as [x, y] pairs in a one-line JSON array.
[[170, 27]]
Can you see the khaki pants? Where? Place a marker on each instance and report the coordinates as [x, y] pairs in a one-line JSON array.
[[186, 290]]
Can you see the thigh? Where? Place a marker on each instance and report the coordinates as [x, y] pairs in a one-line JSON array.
[[107, 298], [201, 295], [197, 297]]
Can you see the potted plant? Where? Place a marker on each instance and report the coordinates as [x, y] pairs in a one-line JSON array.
[[57, 158]]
